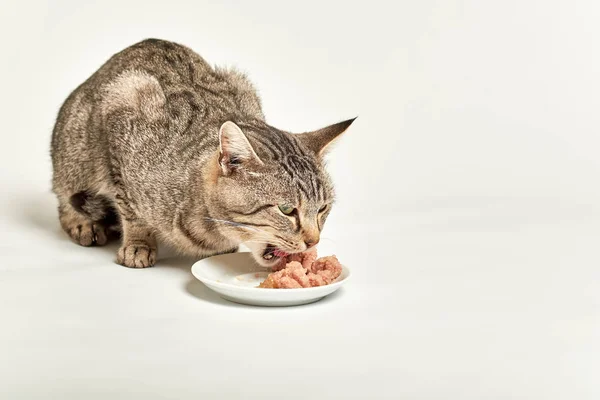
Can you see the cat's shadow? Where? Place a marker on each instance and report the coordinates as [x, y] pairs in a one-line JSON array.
[[40, 213], [191, 285]]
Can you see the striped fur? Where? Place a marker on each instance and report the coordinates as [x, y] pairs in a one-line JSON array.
[[139, 147]]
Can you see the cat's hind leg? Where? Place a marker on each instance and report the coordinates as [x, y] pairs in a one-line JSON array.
[[82, 229], [90, 220]]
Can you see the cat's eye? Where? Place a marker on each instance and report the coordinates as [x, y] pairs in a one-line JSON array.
[[322, 209], [286, 209]]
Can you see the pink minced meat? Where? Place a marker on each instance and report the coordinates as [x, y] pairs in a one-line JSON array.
[[303, 270], [306, 259]]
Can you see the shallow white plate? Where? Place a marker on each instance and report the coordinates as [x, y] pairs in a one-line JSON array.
[[235, 277]]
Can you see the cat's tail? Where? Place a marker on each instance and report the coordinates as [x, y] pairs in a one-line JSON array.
[[97, 207]]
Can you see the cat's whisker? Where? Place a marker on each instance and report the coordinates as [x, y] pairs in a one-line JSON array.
[[267, 242], [236, 224], [240, 225], [262, 236]]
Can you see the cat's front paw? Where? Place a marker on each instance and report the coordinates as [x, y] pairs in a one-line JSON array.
[[136, 256]]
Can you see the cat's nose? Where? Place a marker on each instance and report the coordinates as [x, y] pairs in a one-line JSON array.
[[311, 242]]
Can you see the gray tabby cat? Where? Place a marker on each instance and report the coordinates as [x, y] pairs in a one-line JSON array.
[[158, 145]]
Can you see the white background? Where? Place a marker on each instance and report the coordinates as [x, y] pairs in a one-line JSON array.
[[468, 207]]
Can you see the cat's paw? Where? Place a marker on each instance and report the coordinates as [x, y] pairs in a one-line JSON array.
[[136, 256], [88, 233]]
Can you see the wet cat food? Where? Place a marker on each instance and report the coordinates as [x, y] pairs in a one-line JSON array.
[[303, 270]]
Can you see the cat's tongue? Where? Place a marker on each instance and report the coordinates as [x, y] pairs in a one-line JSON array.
[[280, 253]]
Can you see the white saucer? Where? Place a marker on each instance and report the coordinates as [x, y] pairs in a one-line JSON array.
[[235, 277]]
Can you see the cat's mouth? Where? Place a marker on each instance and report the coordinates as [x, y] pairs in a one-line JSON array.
[[272, 253]]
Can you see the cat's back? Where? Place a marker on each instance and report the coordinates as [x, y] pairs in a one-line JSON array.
[[155, 80], [182, 75], [170, 63], [178, 69], [186, 85]]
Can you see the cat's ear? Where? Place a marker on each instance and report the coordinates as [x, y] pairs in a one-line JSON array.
[[235, 151], [319, 141]]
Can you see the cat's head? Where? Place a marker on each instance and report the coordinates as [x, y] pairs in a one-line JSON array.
[[270, 189]]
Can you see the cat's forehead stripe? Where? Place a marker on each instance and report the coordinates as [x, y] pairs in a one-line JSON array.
[[268, 147], [293, 159], [300, 183]]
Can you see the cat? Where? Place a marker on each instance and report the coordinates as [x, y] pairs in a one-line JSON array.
[[157, 145]]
